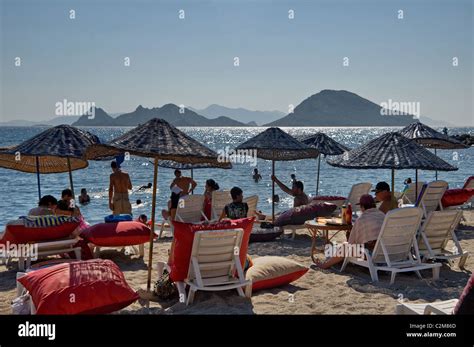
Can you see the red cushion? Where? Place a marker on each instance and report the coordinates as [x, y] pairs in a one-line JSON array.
[[117, 234], [454, 197], [19, 234], [181, 248], [270, 271], [327, 198], [83, 287]]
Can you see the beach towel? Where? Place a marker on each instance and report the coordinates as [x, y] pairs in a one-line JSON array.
[[46, 221]]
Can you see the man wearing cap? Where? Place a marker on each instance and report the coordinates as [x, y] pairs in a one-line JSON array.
[[365, 231], [384, 195]]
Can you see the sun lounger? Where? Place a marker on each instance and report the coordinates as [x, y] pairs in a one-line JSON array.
[[218, 202], [189, 210], [438, 307], [393, 249], [252, 202], [461, 306], [46, 248], [409, 196], [215, 263], [436, 231], [430, 198]]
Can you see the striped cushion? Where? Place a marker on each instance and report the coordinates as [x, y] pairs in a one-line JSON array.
[[47, 221]]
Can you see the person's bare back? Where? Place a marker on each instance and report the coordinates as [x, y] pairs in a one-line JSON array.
[[120, 182], [119, 185]]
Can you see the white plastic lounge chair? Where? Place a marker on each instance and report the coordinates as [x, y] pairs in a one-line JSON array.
[[431, 197], [218, 202], [215, 263], [189, 210], [47, 248], [436, 231], [393, 249], [252, 202], [438, 307], [409, 196], [356, 192]]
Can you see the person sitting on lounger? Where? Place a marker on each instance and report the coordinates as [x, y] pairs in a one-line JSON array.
[[237, 208], [46, 206], [297, 191], [365, 231], [384, 195], [67, 206]]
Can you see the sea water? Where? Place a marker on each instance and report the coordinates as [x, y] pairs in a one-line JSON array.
[[18, 190]]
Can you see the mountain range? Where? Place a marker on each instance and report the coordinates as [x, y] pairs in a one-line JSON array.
[[326, 108]]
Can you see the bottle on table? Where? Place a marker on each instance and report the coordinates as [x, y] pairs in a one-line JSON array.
[[343, 214], [349, 214]]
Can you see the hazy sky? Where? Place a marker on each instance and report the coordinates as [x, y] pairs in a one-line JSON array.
[[191, 61]]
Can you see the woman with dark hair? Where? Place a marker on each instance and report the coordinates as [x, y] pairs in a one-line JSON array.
[[211, 186]]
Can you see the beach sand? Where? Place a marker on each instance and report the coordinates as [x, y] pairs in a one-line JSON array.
[[317, 292]]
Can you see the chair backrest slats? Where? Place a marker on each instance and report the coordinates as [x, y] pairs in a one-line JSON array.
[[431, 198], [356, 192], [214, 251], [438, 228], [397, 235], [252, 202], [218, 202], [190, 208]]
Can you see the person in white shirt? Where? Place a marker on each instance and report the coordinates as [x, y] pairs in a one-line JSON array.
[[365, 231]]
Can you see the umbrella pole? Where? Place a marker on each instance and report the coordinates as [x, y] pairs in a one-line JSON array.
[[393, 183], [273, 191], [70, 177], [317, 180], [152, 230], [436, 172], [38, 177], [416, 185], [192, 177]]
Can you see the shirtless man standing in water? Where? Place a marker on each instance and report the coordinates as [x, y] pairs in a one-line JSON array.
[[118, 191]]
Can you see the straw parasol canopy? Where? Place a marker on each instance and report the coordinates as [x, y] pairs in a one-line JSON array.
[[325, 145], [55, 150], [430, 138], [169, 164], [390, 151], [276, 145], [159, 140]]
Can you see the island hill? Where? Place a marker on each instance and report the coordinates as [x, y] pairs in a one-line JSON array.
[[326, 108]]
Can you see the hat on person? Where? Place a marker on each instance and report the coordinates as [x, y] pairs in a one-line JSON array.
[[366, 200], [381, 186]]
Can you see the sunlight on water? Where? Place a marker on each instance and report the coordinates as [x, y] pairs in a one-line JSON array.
[[18, 191]]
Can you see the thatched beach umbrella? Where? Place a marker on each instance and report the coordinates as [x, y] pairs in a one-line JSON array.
[[325, 145], [169, 164], [55, 150], [429, 138], [159, 140], [276, 145], [390, 151]]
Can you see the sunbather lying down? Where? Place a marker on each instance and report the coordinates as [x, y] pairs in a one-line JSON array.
[[365, 231]]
